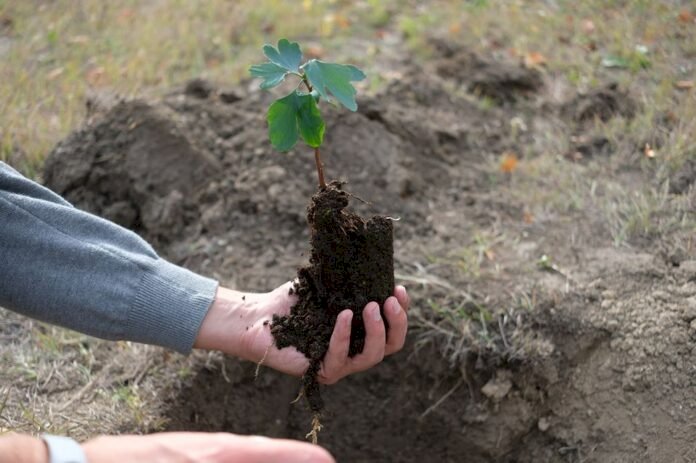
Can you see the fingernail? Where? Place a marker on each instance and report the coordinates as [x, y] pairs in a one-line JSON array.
[[347, 318], [395, 307], [376, 316]]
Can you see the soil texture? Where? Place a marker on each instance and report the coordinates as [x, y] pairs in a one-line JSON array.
[[540, 331], [351, 264]]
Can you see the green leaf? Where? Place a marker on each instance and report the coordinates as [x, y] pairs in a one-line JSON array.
[[613, 61], [271, 73], [288, 55], [292, 116], [310, 121], [334, 79]]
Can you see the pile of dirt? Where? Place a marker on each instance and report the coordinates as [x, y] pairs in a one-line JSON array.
[[502, 82], [603, 103], [591, 362], [128, 168]]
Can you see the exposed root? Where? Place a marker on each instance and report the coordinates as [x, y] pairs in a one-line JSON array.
[[316, 427], [442, 399], [299, 396], [258, 365]]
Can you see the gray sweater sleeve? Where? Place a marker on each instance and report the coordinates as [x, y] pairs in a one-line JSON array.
[[71, 268]]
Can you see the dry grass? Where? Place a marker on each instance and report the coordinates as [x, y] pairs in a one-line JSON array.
[[53, 53], [573, 39], [57, 381]]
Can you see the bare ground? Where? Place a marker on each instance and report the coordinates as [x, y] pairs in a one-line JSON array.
[[549, 324]]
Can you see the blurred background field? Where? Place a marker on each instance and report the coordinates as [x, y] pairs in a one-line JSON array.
[[54, 52]]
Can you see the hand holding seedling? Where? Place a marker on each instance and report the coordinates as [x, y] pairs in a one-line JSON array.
[[351, 265], [297, 114], [237, 324]]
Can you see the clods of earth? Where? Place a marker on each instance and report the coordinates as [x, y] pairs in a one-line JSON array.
[[534, 336]]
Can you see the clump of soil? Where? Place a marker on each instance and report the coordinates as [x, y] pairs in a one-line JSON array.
[[584, 147], [351, 264], [127, 168], [603, 103], [500, 81], [683, 178]]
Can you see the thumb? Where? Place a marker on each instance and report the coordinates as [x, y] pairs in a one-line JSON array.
[[257, 449]]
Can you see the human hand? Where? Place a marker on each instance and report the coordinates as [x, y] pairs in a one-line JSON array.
[[173, 447], [179, 447], [235, 325]]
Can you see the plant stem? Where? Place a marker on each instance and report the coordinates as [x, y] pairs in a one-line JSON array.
[[320, 168], [317, 155]]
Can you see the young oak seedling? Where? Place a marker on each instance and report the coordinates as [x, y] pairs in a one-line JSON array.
[[297, 114]]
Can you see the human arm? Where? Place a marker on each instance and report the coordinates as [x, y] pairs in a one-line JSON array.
[[68, 267], [171, 448]]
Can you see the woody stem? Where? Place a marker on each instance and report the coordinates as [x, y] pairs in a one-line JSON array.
[[320, 168]]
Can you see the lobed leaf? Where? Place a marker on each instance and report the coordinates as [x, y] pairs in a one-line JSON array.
[[271, 73], [288, 55], [292, 116], [334, 79]]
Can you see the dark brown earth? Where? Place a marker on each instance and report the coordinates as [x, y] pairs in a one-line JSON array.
[[351, 263], [586, 356]]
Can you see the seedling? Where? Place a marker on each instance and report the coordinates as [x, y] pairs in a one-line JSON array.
[[297, 114], [351, 258]]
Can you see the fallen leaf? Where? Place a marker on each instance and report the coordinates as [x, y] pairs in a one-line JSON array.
[[78, 39], [342, 21], [268, 28], [212, 63], [686, 16], [455, 28], [314, 52], [649, 152], [684, 84], [490, 254], [95, 76], [125, 15], [508, 162], [534, 59], [55, 73], [588, 26]]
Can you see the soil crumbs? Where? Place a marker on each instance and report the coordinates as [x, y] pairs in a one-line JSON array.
[[351, 264], [534, 337]]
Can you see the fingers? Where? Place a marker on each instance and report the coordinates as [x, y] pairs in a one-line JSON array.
[[378, 342], [375, 339], [403, 297], [398, 325], [337, 355], [214, 448]]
